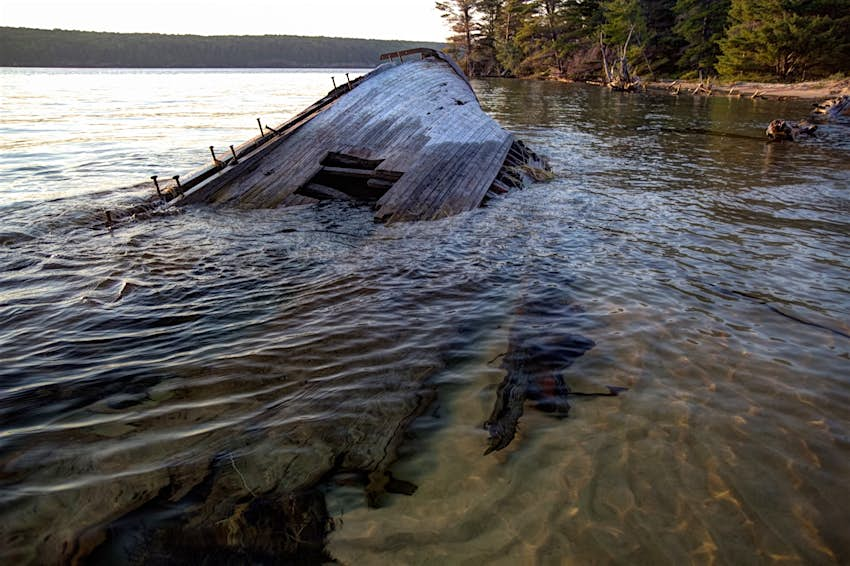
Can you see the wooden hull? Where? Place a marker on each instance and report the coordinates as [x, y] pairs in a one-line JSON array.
[[410, 138]]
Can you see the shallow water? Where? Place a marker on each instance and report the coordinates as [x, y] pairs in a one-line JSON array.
[[710, 269]]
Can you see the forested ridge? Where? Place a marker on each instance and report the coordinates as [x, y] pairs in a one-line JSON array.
[[786, 40], [26, 47]]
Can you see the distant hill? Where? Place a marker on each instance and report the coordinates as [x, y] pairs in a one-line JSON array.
[[26, 47]]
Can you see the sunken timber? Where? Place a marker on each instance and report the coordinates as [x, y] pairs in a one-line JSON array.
[[409, 138]]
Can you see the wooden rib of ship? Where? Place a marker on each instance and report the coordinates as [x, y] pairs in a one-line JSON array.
[[409, 138]]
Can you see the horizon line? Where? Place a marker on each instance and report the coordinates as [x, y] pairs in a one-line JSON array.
[[444, 41]]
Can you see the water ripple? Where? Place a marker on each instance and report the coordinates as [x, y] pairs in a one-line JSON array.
[[708, 267]]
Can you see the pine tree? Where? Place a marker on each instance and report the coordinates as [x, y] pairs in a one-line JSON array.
[[622, 18], [786, 39], [660, 46], [584, 17], [624, 25], [460, 16], [540, 36], [511, 46], [487, 31], [551, 12], [700, 24], [580, 21], [825, 38]]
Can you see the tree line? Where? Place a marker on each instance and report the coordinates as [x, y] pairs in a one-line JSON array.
[[785, 40], [25, 47]]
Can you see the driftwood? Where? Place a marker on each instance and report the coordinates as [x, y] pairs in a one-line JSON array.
[[617, 73], [781, 130], [704, 87], [832, 108], [675, 87]]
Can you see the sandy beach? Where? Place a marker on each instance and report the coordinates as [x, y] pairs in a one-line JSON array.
[[811, 90]]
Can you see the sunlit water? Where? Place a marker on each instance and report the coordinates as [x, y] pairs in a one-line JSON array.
[[710, 268]]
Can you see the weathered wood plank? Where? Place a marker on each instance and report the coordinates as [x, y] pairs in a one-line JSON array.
[[380, 184], [499, 188], [322, 192], [415, 50], [348, 172], [335, 159], [391, 176], [411, 135]]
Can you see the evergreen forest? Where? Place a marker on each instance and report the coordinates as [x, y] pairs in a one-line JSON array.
[[774, 40]]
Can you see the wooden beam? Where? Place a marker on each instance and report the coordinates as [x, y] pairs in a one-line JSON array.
[[334, 159], [348, 172], [387, 175], [499, 187], [423, 50], [380, 184], [322, 192]]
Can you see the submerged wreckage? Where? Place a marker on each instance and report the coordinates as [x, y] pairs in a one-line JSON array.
[[249, 486], [409, 138]]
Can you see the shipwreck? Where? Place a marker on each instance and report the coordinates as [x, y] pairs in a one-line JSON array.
[[409, 139]]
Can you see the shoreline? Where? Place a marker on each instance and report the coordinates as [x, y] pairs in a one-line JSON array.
[[809, 90]]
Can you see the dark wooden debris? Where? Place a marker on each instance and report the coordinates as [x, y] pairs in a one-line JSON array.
[[831, 109], [779, 130], [782, 130], [618, 76], [534, 363]]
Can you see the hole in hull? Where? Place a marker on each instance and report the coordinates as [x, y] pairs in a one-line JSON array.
[[348, 177]]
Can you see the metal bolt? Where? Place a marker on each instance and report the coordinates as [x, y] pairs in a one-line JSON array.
[[349, 81], [177, 180], [233, 151], [260, 124], [215, 159], [333, 80], [156, 184]]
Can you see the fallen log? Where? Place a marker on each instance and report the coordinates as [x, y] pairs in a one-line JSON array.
[[787, 130], [675, 87], [779, 130], [832, 108]]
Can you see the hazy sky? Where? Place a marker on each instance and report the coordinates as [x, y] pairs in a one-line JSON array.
[[379, 19]]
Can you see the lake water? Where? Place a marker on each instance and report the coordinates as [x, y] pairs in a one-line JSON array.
[[166, 385]]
